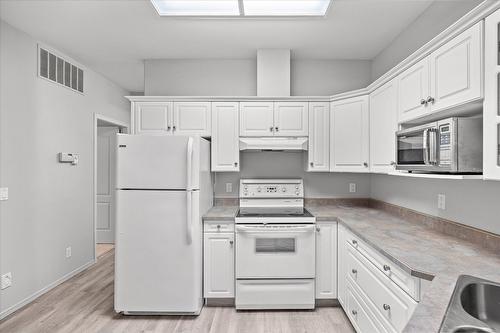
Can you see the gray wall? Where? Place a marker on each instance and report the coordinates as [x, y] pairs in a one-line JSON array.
[[238, 77], [50, 204], [471, 202], [290, 165], [439, 16]]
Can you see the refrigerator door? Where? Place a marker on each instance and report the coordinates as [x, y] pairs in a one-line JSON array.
[[158, 266], [157, 162]]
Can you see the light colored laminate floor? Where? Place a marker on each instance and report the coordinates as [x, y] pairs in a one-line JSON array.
[[85, 304], [102, 248]]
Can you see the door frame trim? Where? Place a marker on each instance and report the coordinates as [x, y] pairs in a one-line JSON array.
[[123, 128]]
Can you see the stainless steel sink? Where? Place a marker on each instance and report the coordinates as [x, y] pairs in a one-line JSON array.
[[474, 307]]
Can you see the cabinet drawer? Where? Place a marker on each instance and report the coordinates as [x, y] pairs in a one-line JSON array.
[[275, 294], [388, 301], [410, 284], [219, 226], [360, 315]]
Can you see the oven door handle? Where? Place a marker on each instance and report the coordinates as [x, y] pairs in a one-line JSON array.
[[301, 229]]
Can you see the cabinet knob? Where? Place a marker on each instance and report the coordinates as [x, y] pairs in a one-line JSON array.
[[271, 128], [386, 307], [231, 242], [354, 271], [318, 228], [423, 102], [430, 99], [354, 312], [173, 128], [312, 164], [235, 164], [168, 128], [218, 226], [387, 268], [393, 163], [355, 242], [365, 164], [276, 129]]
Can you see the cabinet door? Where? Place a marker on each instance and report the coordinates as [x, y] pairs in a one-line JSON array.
[[456, 70], [342, 266], [319, 137], [383, 127], [192, 118], [349, 135], [491, 116], [326, 260], [291, 118], [256, 119], [225, 136], [218, 264], [413, 91], [153, 118]]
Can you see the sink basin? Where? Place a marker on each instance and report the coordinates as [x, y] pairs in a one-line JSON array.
[[482, 301], [474, 307]]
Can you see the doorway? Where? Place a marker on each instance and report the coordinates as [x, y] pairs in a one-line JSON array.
[[105, 130]]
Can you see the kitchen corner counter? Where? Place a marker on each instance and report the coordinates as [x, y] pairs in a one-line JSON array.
[[221, 213], [420, 250]]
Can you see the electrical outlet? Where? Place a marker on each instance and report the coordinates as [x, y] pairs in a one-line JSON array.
[[229, 187], [442, 201], [352, 187], [68, 252], [4, 193], [6, 280]]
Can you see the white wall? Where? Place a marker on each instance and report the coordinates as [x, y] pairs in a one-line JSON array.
[[290, 165], [50, 204], [435, 19], [471, 202], [238, 77]]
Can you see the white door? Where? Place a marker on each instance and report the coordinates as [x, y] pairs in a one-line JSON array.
[[456, 70], [218, 265], [413, 91], [291, 118], [192, 118], [383, 127], [349, 135], [491, 120], [105, 205], [153, 118], [158, 252], [225, 136], [326, 260], [319, 137], [256, 119]]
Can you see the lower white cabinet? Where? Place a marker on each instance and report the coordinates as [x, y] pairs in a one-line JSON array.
[[218, 264], [326, 260]]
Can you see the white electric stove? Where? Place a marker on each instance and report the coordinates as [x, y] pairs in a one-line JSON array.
[[275, 246]]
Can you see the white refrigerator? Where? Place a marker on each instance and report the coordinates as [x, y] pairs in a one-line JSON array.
[[164, 187]]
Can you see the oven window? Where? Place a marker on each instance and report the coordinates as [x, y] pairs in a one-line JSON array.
[[411, 149], [274, 245]]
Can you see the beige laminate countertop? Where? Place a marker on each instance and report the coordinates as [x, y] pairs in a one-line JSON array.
[[418, 249]]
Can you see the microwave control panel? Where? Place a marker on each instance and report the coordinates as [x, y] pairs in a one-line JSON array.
[[444, 139]]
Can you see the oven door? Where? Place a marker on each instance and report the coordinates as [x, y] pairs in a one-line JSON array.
[[417, 148], [275, 251]]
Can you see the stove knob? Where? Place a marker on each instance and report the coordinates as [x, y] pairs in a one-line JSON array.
[[296, 187], [297, 192], [284, 189], [259, 189]]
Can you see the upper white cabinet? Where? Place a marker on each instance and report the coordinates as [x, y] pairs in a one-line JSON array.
[[456, 70], [326, 260], [192, 118], [349, 135], [318, 154], [413, 85], [152, 118], [291, 118], [491, 116], [450, 76], [274, 118], [383, 126], [225, 133], [256, 118]]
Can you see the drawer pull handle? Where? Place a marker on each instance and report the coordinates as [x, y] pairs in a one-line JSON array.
[[387, 268], [354, 271], [355, 242], [386, 307], [231, 243], [318, 228], [354, 312], [218, 226]]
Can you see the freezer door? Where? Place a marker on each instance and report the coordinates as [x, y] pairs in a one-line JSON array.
[[158, 261], [157, 162]]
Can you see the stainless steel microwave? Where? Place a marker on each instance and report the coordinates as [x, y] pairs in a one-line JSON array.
[[453, 145]]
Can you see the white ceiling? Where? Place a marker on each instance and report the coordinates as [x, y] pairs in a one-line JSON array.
[[113, 37]]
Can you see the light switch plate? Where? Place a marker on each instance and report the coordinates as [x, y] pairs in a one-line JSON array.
[[442, 201], [229, 187], [68, 252], [6, 280], [4, 193], [352, 187]]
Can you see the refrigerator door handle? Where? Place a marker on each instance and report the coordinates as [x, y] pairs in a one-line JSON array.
[[189, 204]]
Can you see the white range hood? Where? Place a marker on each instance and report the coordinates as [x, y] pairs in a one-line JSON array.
[[273, 143]]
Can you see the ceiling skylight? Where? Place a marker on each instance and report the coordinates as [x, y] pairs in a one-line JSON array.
[[241, 8]]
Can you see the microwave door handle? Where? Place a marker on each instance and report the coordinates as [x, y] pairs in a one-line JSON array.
[[426, 146]]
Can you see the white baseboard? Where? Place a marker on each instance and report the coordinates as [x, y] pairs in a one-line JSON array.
[[45, 289]]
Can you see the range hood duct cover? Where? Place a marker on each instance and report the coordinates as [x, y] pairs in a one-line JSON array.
[[273, 144]]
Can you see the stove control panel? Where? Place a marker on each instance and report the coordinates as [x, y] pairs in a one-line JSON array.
[[269, 188]]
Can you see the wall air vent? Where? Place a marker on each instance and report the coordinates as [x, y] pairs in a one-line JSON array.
[[58, 70]]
